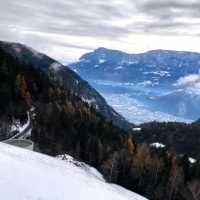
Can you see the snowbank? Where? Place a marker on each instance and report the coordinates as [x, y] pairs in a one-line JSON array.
[[27, 175], [157, 145]]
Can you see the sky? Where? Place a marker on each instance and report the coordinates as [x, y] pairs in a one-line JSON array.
[[66, 29]]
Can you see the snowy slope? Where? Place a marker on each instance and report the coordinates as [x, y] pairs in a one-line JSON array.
[[26, 175]]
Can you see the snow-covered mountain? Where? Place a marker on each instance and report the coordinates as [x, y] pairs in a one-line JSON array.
[[70, 79], [166, 84], [32, 176]]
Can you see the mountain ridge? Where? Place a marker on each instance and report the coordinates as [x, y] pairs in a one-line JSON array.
[[149, 78], [144, 52], [70, 79]]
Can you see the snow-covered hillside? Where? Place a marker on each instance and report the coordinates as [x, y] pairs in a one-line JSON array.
[[26, 175]]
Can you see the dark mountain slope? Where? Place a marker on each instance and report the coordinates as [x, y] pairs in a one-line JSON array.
[[180, 137], [57, 110], [70, 79]]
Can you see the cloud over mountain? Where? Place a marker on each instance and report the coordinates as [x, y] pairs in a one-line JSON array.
[[190, 82]]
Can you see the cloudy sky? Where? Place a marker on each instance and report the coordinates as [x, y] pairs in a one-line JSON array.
[[65, 29]]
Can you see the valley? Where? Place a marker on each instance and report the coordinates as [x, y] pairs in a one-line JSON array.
[[157, 85], [140, 104]]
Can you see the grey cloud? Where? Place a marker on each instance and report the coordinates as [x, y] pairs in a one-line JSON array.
[[166, 16], [94, 19], [169, 8], [82, 18], [166, 27], [91, 18], [190, 83]]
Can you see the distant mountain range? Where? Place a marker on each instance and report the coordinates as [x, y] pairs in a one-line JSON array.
[[157, 67], [165, 84], [70, 79]]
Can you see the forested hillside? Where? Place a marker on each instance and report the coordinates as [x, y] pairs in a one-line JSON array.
[[179, 137], [70, 80]]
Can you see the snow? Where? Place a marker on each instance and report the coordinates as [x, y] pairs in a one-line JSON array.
[[77, 82], [130, 61], [88, 101], [101, 61], [159, 73], [111, 83], [69, 159], [15, 126], [133, 62], [119, 67], [55, 66], [137, 129], [27, 175], [21, 128], [26, 125], [145, 83], [192, 160], [158, 145], [32, 109]]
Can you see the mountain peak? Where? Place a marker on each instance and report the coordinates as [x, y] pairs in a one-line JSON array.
[[101, 49], [107, 50], [154, 51]]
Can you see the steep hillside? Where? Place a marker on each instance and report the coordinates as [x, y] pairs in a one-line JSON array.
[[70, 79], [47, 178], [24, 86]]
